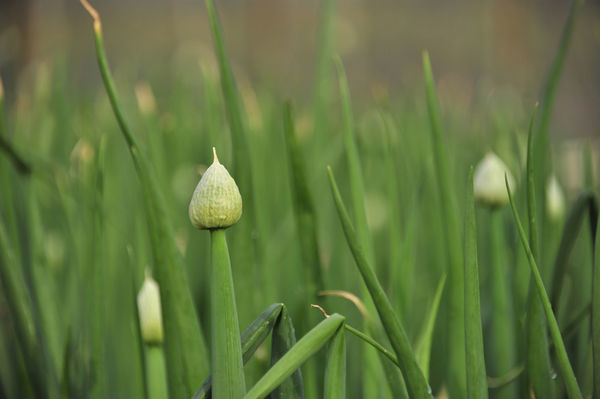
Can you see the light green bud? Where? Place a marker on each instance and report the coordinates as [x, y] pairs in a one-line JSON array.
[[148, 302], [489, 187], [216, 202], [555, 199]]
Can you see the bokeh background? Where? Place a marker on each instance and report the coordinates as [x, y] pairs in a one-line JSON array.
[[484, 52]]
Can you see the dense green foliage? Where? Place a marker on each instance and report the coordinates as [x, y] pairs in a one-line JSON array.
[[82, 216]]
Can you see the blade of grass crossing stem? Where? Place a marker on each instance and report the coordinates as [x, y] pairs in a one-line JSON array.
[[538, 355], [182, 329], [252, 337], [423, 347], [306, 347], [282, 340], [456, 352], [585, 201], [335, 371], [228, 378], [247, 255], [542, 148], [596, 316], [415, 381], [476, 376], [371, 386], [564, 366], [391, 366]]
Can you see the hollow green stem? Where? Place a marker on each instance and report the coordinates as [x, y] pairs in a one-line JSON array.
[[156, 372], [502, 335], [227, 365]]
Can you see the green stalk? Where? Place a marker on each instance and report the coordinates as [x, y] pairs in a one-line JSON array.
[[451, 238], [227, 365], [415, 381], [156, 373], [476, 376], [306, 347], [335, 372], [323, 84], [596, 316], [585, 201], [538, 355], [186, 354], [549, 95], [423, 347], [561, 353], [502, 333]]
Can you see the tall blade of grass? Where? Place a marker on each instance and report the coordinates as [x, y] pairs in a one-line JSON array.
[[451, 238], [476, 376], [415, 381], [335, 371], [282, 340], [97, 277], [248, 248], [252, 337], [306, 347], [596, 316], [357, 188], [186, 353], [542, 148], [538, 356], [304, 209], [585, 201], [323, 78], [423, 347], [563, 359], [371, 385], [226, 355]]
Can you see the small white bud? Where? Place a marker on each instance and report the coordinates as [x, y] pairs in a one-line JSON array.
[[148, 301], [489, 187], [555, 199]]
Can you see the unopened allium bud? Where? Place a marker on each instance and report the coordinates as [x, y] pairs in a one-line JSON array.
[[555, 199], [149, 310], [489, 187], [216, 202]]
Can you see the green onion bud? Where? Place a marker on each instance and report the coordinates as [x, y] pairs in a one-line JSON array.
[[216, 202], [555, 199], [148, 301], [489, 187]]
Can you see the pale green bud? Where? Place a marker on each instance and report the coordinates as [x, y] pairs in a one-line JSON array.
[[149, 310], [216, 202], [489, 187], [555, 199]]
